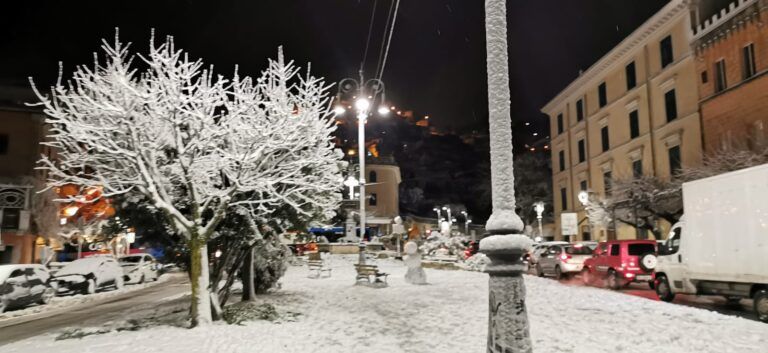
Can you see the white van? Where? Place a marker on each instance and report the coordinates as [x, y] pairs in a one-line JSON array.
[[720, 246]]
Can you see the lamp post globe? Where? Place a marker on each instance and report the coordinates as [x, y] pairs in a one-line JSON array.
[[362, 104], [584, 197]]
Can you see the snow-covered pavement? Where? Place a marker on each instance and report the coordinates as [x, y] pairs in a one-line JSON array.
[[449, 315]]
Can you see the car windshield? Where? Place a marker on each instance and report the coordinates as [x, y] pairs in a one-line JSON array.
[[130, 260], [640, 249], [578, 250]]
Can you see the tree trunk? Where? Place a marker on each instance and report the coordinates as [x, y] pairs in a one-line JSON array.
[[200, 310], [247, 276]]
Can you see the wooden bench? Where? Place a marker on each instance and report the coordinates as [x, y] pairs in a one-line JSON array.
[[317, 267], [370, 275]]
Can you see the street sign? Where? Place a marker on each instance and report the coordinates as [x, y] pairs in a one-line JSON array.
[[569, 223]]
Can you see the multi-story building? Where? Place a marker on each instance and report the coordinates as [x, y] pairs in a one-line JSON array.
[[633, 113], [21, 130], [731, 49]]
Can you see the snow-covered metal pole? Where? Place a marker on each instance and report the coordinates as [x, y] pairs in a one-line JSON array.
[[508, 328]]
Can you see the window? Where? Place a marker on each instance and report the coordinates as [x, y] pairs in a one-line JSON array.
[[670, 103], [637, 169], [563, 199], [3, 144], [634, 124], [748, 69], [582, 150], [667, 56], [17, 274], [640, 249], [674, 160], [372, 177], [10, 218], [602, 95], [631, 76], [720, 81], [372, 201], [607, 182], [561, 159], [559, 123], [615, 250], [580, 110], [704, 77], [604, 138], [583, 185]]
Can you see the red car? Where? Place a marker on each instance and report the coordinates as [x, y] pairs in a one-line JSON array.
[[620, 262]]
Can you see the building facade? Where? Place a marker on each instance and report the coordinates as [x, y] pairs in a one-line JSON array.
[[21, 131], [633, 113], [382, 194], [731, 49]]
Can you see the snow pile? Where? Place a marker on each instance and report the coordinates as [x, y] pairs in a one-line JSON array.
[[448, 315], [476, 263], [440, 245]]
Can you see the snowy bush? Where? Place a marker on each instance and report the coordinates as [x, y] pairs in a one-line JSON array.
[[438, 244], [476, 263], [239, 313]]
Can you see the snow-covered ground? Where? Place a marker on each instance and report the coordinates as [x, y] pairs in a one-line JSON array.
[[60, 303], [448, 315]]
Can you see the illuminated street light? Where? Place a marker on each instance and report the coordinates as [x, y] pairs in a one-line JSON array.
[[539, 208], [362, 104], [351, 183], [339, 110], [383, 110], [71, 211]]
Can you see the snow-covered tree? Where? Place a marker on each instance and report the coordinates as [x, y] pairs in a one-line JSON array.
[[193, 143], [639, 202]]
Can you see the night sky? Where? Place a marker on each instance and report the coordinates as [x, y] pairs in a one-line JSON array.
[[436, 63]]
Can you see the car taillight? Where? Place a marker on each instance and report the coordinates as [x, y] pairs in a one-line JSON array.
[[565, 257]]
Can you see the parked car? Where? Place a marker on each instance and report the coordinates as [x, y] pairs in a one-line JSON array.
[[89, 275], [533, 255], [719, 246], [562, 261], [620, 262], [592, 245], [21, 285], [139, 268]]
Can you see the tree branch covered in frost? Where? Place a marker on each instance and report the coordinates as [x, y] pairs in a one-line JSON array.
[[194, 144], [181, 135]]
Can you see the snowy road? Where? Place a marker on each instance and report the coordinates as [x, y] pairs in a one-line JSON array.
[[713, 303], [96, 312]]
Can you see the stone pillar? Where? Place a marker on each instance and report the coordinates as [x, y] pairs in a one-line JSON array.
[[508, 329]]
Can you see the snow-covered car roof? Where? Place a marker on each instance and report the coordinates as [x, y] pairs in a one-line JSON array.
[[82, 266], [5, 270]]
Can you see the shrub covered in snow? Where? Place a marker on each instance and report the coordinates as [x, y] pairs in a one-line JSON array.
[[242, 312], [438, 244], [476, 263]]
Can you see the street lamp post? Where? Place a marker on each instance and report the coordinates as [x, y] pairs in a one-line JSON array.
[[508, 327], [584, 199], [439, 215], [351, 183], [539, 208], [450, 219], [370, 89]]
